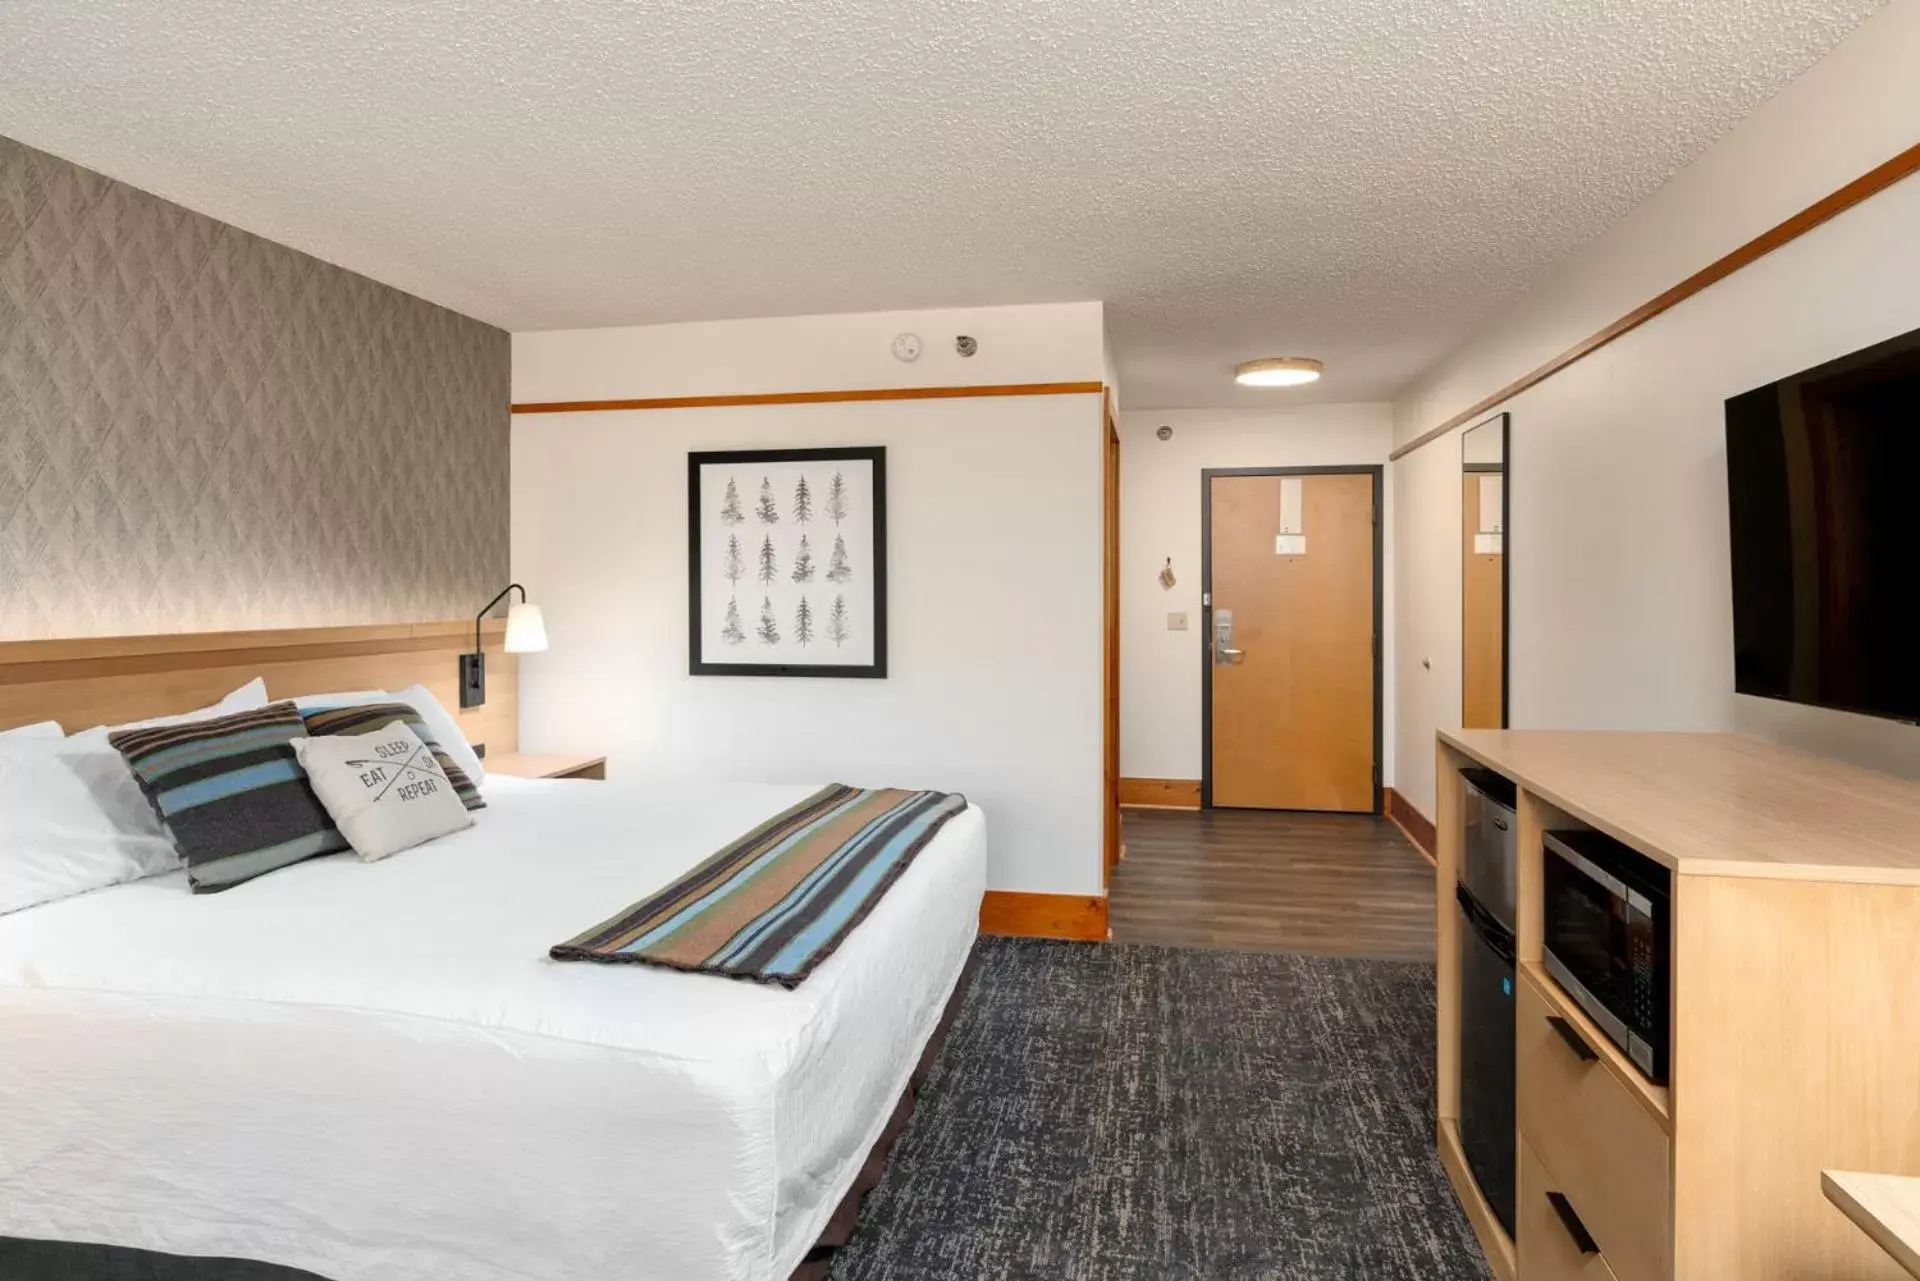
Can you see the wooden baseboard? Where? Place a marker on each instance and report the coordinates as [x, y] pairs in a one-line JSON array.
[[1161, 793], [1046, 916], [1417, 827]]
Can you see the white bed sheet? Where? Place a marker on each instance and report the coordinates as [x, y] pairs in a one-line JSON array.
[[372, 1071]]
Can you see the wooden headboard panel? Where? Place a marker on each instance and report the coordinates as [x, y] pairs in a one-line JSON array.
[[109, 680]]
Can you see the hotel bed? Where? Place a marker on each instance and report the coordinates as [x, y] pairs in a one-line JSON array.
[[372, 1070]]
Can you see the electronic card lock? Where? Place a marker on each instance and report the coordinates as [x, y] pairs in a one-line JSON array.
[[1224, 654]]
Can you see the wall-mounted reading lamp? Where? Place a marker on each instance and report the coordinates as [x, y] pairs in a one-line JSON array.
[[526, 634]]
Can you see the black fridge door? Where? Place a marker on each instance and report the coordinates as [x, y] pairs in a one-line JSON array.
[[1487, 1129]]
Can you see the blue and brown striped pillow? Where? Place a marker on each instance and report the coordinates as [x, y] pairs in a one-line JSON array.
[[368, 718], [232, 793]]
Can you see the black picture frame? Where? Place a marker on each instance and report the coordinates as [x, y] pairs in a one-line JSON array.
[[698, 662]]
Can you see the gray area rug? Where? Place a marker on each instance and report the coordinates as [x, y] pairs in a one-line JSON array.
[[1112, 1113]]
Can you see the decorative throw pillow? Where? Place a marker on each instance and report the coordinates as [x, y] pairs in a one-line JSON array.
[[385, 789], [364, 718], [232, 794]]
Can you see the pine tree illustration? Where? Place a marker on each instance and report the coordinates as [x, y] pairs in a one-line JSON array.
[[803, 562], [837, 498], [732, 632], [766, 510], [734, 566], [769, 568], [802, 502], [803, 623], [730, 513], [838, 570], [839, 631], [768, 633]]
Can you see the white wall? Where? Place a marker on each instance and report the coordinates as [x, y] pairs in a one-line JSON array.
[[1621, 603], [1160, 681], [1051, 342], [994, 553]]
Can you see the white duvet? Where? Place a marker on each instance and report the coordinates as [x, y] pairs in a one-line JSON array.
[[372, 1071]]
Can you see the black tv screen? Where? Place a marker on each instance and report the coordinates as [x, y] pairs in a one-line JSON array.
[[1823, 481]]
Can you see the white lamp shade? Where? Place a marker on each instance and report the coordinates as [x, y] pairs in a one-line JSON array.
[[526, 629]]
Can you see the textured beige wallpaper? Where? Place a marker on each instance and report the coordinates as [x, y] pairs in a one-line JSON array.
[[200, 429]]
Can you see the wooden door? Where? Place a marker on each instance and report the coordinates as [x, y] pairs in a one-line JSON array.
[[1293, 712], [1482, 584]]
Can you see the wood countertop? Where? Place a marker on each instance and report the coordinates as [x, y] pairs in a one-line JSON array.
[[1717, 804], [1885, 1206]]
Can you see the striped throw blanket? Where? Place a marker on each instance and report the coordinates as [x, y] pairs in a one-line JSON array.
[[775, 903]]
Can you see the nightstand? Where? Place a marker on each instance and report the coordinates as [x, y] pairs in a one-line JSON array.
[[519, 765]]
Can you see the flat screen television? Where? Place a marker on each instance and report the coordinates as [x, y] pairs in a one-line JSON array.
[[1823, 481]]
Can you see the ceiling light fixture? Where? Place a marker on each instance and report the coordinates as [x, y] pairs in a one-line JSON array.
[[1279, 371]]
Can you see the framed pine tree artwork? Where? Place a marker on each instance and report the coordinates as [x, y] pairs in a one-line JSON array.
[[787, 562]]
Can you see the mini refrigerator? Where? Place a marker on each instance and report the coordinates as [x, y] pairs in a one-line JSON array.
[[1485, 900]]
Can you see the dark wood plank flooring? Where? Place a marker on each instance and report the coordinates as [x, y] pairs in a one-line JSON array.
[[1260, 881]]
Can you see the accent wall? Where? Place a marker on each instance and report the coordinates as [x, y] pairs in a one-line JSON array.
[[203, 430]]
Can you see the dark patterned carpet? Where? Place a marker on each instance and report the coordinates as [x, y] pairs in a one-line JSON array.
[[1126, 1113]]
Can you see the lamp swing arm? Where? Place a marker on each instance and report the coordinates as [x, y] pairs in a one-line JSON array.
[[486, 609]]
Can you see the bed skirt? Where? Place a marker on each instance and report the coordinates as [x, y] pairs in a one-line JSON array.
[[68, 1261]]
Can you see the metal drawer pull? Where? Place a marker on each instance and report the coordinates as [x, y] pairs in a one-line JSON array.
[[1571, 1222], [1575, 1042]]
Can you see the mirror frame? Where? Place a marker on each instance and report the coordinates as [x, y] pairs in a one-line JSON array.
[[1505, 420]]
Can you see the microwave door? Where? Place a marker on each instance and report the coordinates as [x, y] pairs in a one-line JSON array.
[[1587, 939]]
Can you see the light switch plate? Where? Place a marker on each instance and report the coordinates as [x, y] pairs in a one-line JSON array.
[[1177, 622]]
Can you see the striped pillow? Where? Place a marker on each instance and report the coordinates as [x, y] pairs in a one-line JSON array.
[[370, 718], [232, 793]]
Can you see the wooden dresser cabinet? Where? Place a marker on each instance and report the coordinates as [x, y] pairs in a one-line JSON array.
[[1795, 1012]]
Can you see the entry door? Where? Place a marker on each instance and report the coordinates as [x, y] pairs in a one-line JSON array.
[[1290, 644]]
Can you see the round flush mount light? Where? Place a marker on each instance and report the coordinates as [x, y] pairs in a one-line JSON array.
[[1278, 371]]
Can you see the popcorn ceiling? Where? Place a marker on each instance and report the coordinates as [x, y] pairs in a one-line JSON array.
[[1359, 180]]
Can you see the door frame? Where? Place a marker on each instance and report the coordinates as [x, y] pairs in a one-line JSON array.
[[1378, 474], [1110, 848]]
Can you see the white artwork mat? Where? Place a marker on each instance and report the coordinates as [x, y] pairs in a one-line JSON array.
[[787, 563]]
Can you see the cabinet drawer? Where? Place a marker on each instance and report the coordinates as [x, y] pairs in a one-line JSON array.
[[1546, 1241], [1611, 1156]]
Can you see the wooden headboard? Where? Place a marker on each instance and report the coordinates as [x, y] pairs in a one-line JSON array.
[[109, 680]]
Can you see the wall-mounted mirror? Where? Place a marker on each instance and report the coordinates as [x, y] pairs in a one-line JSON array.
[[1483, 574]]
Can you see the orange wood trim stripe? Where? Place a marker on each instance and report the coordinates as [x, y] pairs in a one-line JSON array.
[[1823, 210], [1161, 793], [1414, 825], [1046, 916], [810, 397]]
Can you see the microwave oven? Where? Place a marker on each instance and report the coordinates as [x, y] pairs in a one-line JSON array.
[[1607, 940]]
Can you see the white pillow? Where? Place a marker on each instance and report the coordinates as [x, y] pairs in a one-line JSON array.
[[384, 790], [249, 697], [45, 729], [349, 698], [71, 820], [442, 725]]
